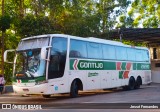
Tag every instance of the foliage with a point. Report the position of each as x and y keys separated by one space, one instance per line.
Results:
x=5 y=21
x=75 y=17
x=143 y=13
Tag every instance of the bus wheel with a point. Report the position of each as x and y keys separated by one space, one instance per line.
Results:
x=46 y=96
x=131 y=84
x=74 y=89
x=138 y=83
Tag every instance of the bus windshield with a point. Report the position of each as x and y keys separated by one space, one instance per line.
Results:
x=29 y=64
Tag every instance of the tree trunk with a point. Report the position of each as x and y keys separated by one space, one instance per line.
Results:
x=2 y=40
x=21 y=10
x=2 y=60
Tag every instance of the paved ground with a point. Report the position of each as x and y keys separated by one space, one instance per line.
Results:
x=92 y=100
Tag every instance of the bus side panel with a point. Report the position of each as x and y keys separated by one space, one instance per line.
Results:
x=115 y=81
x=93 y=79
x=59 y=85
x=141 y=74
x=143 y=70
x=77 y=74
x=125 y=80
x=105 y=79
x=147 y=77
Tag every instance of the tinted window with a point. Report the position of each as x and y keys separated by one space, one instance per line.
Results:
x=145 y=55
x=108 y=52
x=155 y=52
x=78 y=48
x=139 y=55
x=94 y=50
x=121 y=53
x=57 y=58
x=131 y=54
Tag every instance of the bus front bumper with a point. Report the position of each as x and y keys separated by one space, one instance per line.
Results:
x=36 y=89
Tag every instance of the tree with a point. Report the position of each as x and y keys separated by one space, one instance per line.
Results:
x=4 y=24
x=75 y=17
x=146 y=13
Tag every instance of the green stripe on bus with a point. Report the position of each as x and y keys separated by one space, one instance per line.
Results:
x=91 y=65
x=123 y=67
x=42 y=78
x=134 y=66
x=109 y=65
x=143 y=66
x=76 y=64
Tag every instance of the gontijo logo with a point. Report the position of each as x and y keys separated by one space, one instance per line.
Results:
x=124 y=69
x=91 y=65
x=81 y=64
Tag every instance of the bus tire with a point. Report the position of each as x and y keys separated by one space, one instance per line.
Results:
x=131 y=84
x=46 y=96
x=74 y=89
x=138 y=83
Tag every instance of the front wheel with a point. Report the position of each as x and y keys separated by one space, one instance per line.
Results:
x=74 y=89
x=138 y=83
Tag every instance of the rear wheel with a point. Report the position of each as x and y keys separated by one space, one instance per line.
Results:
x=138 y=83
x=74 y=89
x=131 y=84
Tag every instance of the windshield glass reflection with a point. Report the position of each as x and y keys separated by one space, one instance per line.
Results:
x=29 y=64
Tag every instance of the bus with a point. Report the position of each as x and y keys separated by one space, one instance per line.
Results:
x=58 y=63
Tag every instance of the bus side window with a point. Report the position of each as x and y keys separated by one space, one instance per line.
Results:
x=145 y=56
x=121 y=53
x=94 y=50
x=108 y=52
x=139 y=55
x=57 y=58
x=75 y=54
x=131 y=54
x=78 y=49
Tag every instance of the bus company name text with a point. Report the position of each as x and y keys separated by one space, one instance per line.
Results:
x=91 y=65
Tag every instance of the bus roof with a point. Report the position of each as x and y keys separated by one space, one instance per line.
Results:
x=33 y=37
x=89 y=39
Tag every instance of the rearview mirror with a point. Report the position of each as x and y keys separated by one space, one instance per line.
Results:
x=6 y=53
x=43 y=53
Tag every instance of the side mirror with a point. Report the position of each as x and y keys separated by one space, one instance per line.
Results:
x=43 y=53
x=5 y=55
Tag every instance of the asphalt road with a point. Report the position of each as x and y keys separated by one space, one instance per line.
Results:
x=90 y=101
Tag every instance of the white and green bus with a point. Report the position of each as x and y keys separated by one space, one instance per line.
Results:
x=58 y=63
